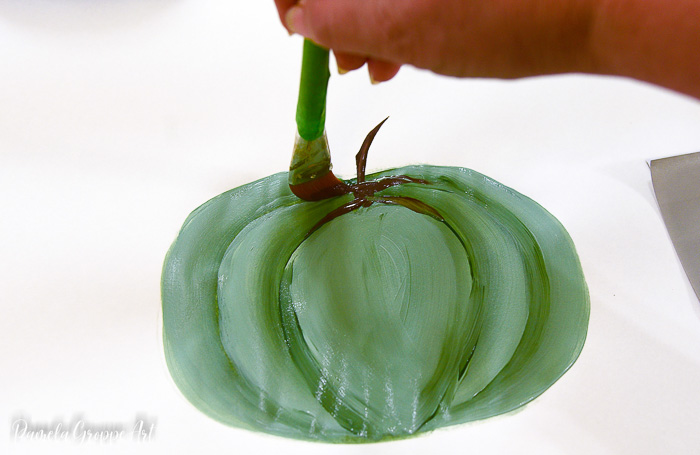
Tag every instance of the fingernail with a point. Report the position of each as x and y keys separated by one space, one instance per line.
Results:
x=342 y=70
x=373 y=80
x=294 y=19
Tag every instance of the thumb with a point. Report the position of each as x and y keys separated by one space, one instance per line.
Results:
x=378 y=29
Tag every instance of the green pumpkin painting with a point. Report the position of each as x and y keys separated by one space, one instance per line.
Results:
x=375 y=308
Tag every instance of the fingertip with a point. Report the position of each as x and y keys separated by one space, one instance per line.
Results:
x=381 y=71
x=294 y=21
x=348 y=62
x=282 y=9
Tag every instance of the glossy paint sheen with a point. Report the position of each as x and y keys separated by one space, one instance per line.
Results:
x=384 y=322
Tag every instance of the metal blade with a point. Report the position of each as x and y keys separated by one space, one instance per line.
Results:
x=676 y=183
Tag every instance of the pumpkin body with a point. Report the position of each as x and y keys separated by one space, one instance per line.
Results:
x=383 y=322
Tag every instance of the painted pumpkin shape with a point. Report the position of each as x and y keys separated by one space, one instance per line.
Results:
x=385 y=306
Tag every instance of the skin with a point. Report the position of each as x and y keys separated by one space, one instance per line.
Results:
x=649 y=40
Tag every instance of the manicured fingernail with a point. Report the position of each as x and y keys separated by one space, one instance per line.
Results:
x=373 y=80
x=342 y=70
x=294 y=19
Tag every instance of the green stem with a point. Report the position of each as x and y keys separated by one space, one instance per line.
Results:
x=311 y=107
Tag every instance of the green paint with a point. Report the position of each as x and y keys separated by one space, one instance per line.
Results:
x=384 y=322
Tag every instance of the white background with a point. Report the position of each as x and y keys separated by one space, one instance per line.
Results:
x=117 y=118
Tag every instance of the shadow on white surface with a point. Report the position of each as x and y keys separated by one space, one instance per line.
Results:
x=57 y=17
x=630 y=381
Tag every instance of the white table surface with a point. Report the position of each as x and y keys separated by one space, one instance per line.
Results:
x=117 y=118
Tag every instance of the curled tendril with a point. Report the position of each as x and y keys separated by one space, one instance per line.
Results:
x=364 y=191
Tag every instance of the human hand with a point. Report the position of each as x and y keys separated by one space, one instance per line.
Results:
x=497 y=38
x=650 y=40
